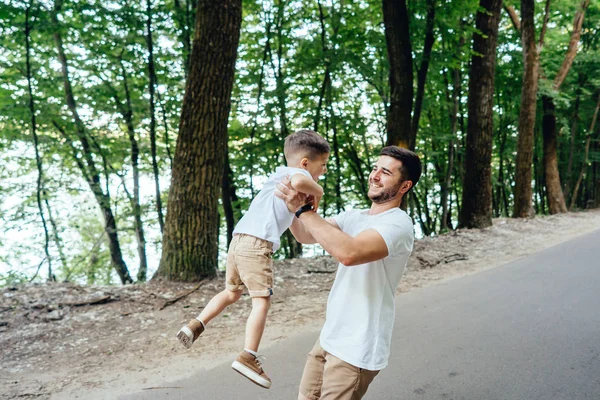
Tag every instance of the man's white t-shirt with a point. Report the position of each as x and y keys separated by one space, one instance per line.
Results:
x=268 y=216
x=360 y=308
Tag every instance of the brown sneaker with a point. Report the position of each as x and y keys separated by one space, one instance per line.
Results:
x=251 y=367
x=189 y=333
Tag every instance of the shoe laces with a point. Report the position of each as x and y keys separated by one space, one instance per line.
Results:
x=260 y=359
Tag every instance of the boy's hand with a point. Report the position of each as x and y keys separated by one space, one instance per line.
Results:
x=315 y=200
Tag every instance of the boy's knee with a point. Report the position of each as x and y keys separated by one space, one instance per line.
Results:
x=263 y=303
x=233 y=295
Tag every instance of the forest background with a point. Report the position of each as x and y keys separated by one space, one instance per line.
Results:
x=110 y=116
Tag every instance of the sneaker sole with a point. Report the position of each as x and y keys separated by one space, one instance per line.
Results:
x=251 y=375
x=185 y=337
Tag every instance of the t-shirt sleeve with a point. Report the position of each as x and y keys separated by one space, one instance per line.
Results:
x=398 y=234
x=294 y=171
x=340 y=218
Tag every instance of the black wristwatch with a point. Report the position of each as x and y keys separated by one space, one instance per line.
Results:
x=304 y=208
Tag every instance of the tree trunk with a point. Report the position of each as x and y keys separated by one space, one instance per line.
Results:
x=476 y=209
x=151 y=89
x=574 y=126
x=422 y=71
x=399 y=49
x=40 y=191
x=90 y=172
x=586 y=154
x=137 y=208
x=229 y=199
x=523 y=192
x=190 y=240
x=556 y=200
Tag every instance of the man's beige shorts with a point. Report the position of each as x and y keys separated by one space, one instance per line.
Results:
x=250 y=264
x=326 y=377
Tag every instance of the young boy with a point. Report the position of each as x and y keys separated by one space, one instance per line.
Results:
x=256 y=237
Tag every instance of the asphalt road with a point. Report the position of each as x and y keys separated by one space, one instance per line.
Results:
x=527 y=330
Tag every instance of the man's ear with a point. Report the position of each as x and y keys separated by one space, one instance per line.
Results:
x=406 y=185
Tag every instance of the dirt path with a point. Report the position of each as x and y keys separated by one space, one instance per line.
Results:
x=63 y=341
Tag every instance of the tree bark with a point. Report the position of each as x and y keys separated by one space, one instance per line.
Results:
x=151 y=89
x=190 y=240
x=523 y=192
x=476 y=209
x=89 y=169
x=399 y=49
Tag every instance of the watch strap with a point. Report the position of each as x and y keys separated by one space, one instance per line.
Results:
x=304 y=208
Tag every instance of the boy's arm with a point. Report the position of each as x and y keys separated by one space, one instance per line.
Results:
x=304 y=184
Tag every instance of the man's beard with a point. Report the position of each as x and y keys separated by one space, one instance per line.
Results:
x=386 y=195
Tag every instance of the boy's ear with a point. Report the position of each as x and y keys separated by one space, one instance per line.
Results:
x=304 y=162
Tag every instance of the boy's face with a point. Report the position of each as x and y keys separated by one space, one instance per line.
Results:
x=317 y=166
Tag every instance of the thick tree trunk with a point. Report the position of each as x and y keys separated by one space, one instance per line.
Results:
x=190 y=240
x=90 y=172
x=151 y=89
x=476 y=209
x=397 y=36
x=523 y=192
x=556 y=200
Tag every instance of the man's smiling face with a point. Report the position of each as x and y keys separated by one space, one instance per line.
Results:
x=385 y=180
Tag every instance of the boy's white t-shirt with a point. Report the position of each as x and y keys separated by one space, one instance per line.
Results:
x=360 y=308
x=268 y=216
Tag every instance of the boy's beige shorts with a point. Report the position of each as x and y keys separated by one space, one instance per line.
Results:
x=250 y=264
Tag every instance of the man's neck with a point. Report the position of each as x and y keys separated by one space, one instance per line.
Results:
x=378 y=208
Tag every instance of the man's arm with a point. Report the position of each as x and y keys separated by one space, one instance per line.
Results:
x=367 y=246
x=302 y=235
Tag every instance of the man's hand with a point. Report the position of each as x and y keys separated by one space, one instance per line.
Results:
x=293 y=199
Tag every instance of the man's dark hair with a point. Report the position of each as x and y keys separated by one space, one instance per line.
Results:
x=411 y=163
x=308 y=142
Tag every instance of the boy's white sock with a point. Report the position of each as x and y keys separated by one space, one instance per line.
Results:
x=202 y=322
x=255 y=354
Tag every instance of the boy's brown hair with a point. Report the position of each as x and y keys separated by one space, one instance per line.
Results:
x=309 y=143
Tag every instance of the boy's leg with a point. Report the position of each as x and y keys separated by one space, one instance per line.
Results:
x=188 y=334
x=217 y=304
x=255 y=326
x=249 y=363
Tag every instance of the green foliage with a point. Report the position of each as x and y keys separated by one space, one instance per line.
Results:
x=286 y=51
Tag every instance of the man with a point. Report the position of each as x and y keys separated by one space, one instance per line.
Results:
x=372 y=247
